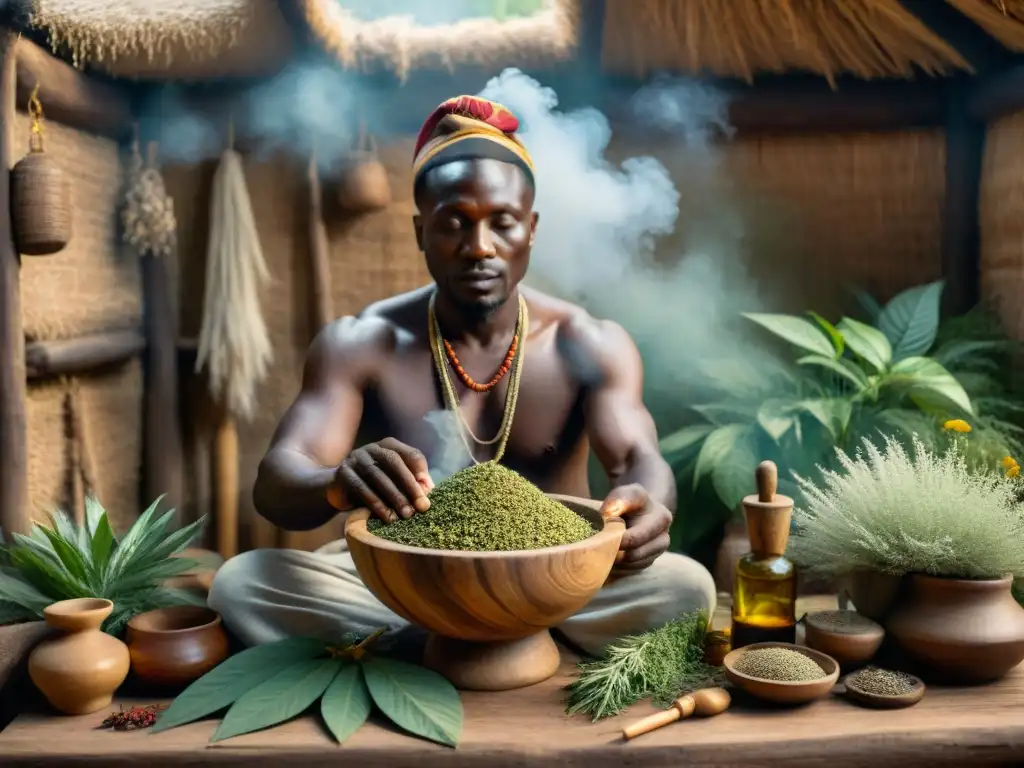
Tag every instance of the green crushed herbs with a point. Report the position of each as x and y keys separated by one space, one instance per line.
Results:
x=660 y=665
x=487 y=508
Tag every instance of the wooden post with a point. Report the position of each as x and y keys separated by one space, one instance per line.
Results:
x=961 y=259
x=14 y=514
x=163 y=453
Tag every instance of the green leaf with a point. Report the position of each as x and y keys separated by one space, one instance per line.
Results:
x=346 y=703
x=14 y=589
x=833 y=413
x=684 y=439
x=287 y=694
x=867 y=342
x=102 y=544
x=796 y=330
x=717 y=447
x=911 y=320
x=68 y=554
x=415 y=699
x=228 y=681
x=844 y=368
x=966 y=353
x=833 y=333
x=93 y=512
x=721 y=414
x=777 y=417
x=868 y=303
x=929 y=385
x=734 y=478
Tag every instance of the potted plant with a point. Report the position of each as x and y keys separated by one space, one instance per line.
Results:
x=65 y=561
x=952 y=534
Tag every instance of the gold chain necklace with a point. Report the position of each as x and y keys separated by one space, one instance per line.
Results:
x=451 y=397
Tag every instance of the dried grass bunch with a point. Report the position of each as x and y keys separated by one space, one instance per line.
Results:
x=101 y=30
x=150 y=226
x=897 y=512
x=1003 y=19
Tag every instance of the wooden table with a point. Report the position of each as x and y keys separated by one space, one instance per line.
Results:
x=966 y=727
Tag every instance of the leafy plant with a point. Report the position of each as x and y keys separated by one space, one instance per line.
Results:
x=66 y=561
x=903 y=375
x=270 y=684
x=896 y=511
x=662 y=664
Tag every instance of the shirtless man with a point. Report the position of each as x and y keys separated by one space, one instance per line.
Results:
x=357 y=432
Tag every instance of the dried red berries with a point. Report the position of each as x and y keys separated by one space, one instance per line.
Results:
x=133 y=719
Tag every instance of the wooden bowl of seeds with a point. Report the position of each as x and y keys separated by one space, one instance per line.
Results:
x=782 y=673
x=846 y=636
x=883 y=688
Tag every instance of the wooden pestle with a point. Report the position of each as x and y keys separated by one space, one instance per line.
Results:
x=767 y=477
x=703 y=703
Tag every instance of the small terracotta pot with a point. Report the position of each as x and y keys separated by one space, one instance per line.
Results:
x=959 y=630
x=172 y=647
x=79 y=670
x=873 y=594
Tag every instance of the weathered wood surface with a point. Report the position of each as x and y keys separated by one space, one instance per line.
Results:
x=525 y=728
x=82 y=355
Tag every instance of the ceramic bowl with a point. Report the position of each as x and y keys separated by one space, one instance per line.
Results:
x=879 y=701
x=172 y=647
x=850 y=648
x=781 y=692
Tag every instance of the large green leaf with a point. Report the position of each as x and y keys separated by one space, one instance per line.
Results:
x=929 y=385
x=70 y=557
x=733 y=479
x=833 y=413
x=416 y=699
x=971 y=354
x=843 y=368
x=833 y=333
x=868 y=343
x=869 y=304
x=228 y=681
x=721 y=414
x=346 y=703
x=287 y=694
x=102 y=545
x=911 y=320
x=684 y=439
x=717 y=447
x=14 y=589
x=778 y=416
x=796 y=330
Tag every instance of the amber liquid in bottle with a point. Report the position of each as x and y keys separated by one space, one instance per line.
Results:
x=764 y=601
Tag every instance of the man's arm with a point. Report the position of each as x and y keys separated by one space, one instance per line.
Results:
x=625 y=440
x=317 y=432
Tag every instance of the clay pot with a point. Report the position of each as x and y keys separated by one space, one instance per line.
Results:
x=79 y=670
x=873 y=594
x=172 y=647
x=959 y=630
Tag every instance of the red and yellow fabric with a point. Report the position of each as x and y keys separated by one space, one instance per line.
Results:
x=469 y=126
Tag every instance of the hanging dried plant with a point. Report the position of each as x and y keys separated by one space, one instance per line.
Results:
x=150 y=226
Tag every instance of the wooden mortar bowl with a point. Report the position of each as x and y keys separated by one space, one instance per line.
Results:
x=172 y=647
x=782 y=692
x=850 y=649
x=488 y=613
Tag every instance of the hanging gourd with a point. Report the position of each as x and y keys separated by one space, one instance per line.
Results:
x=40 y=195
x=364 y=183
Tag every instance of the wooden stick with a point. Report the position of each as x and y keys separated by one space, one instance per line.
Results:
x=163 y=451
x=13 y=438
x=85 y=354
x=225 y=459
x=69 y=96
x=706 y=702
x=319 y=253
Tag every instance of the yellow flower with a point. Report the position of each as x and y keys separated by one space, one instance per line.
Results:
x=1008 y=462
x=1013 y=472
x=957 y=425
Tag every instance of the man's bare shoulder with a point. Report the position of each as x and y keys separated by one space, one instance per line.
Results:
x=375 y=330
x=589 y=344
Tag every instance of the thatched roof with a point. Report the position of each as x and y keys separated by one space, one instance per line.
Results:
x=733 y=38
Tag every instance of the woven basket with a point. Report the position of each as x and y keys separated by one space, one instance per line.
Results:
x=364 y=185
x=40 y=205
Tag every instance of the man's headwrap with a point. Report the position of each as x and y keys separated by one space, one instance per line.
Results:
x=468 y=127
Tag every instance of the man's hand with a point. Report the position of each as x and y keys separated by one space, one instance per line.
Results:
x=388 y=477
x=647 y=523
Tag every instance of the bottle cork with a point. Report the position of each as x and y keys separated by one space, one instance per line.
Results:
x=768 y=513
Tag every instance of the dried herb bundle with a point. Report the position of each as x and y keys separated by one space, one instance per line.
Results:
x=662 y=665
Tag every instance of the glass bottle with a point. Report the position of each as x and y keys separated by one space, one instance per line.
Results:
x=764 y=596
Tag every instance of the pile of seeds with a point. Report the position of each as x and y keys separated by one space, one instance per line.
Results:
x=487 y=508
x=845 y=622
x=778 y=664
x=881 y=682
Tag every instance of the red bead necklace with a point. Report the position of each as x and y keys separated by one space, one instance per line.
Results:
x=469 y=381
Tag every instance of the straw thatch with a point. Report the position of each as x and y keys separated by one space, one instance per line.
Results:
x=1003 y=19
x=1002 y=225
x=866 y=38
x=401 y=45
x=92 y=285
x=179 y=39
